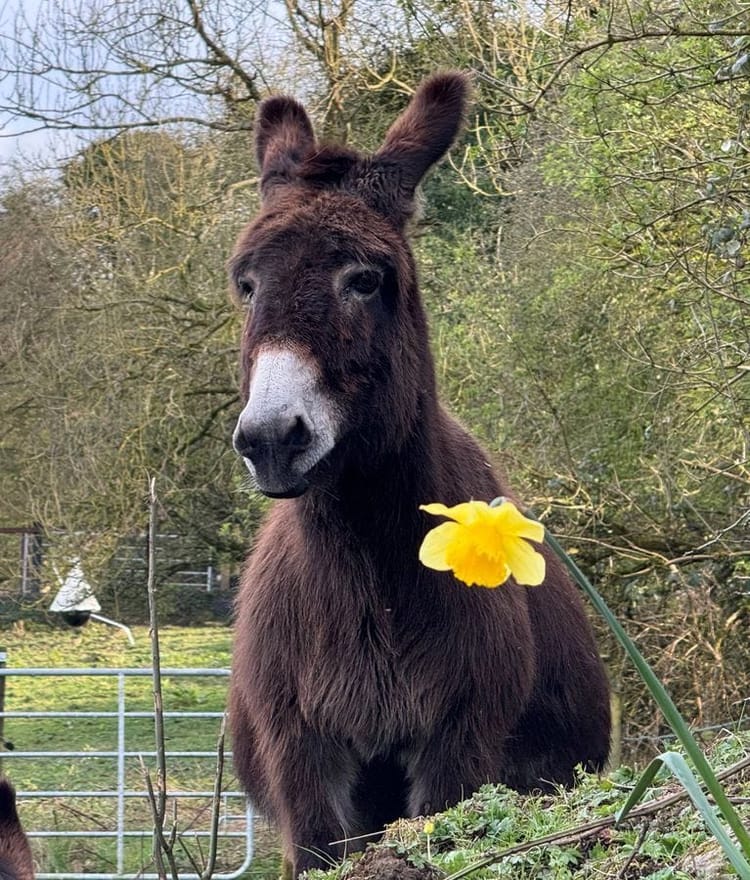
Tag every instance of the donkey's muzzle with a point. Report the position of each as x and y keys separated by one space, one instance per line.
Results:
x=288 y=424
x=276 y=447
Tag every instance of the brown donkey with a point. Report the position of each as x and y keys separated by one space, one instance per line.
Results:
x=366 y=687
x=16 y=862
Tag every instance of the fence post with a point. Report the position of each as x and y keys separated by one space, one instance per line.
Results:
x=32 y=557
x=120 y=774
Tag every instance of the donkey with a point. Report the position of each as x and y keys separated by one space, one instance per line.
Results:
x=16 y=862
x=366 y=687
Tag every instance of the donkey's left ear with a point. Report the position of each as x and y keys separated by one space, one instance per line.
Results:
x=426 y=129
x=283 y=138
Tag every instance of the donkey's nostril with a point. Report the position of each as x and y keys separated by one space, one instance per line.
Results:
x=244 y=443
x=299 y=436
x=281 y=436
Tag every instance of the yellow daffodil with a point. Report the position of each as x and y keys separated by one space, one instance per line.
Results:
x=485 y=544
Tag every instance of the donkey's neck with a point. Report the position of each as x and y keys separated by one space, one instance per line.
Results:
x=377 y=499
x=371 y=512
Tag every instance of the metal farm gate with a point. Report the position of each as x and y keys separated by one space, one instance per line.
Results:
x=96 y=810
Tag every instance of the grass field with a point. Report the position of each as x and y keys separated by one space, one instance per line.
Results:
x=671 y=845
x=99 y=646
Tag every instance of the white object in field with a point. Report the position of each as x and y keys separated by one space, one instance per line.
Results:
x=75 y=594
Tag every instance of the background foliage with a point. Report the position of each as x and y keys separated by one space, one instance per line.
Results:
x=583 y=257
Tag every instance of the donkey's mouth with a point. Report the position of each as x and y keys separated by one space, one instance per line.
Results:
x=278 y=479
x=294 y=492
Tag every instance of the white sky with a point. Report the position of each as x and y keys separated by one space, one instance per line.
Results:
x=15 y=147
x=37 y=145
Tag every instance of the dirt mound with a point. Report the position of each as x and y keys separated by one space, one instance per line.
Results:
x=385 y=864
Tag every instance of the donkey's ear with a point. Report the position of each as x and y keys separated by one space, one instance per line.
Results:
x=426 y=129
x=283 y=137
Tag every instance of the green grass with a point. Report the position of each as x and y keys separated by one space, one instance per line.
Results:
x=100 y=646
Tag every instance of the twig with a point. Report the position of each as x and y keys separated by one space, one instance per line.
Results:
x=638 y=844
x=161 y=846
x=220 y=53
x=190 y=857
x=216 y=804
x=161 y=768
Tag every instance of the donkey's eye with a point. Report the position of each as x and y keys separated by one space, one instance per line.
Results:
x=364 y=283
x=246 y=289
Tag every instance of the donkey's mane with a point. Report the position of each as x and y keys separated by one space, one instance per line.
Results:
x=328 y=165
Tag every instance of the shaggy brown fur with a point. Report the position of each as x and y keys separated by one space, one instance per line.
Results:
x=366 y=687
x=16 y=862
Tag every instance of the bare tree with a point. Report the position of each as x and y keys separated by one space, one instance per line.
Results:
x=109 y=65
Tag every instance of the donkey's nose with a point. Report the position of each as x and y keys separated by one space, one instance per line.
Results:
x=280 y=438
x=288 y=424
x=274 y=448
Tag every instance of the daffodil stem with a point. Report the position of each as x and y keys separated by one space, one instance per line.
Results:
x=664 y=701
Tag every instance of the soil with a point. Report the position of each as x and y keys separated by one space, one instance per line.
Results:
x=385 y=864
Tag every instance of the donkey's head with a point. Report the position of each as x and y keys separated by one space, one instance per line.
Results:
x=334 y=349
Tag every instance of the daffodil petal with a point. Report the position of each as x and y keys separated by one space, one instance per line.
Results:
x=436 y=543
x=464 y=513
x=527 y=564
x=510 y=519
x=436 y=509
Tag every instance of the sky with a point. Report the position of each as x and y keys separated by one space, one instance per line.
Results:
x=22 y=140
x=18 y=145
x=37 y=145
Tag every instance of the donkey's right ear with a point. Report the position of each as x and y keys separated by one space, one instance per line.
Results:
x=283 y=138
